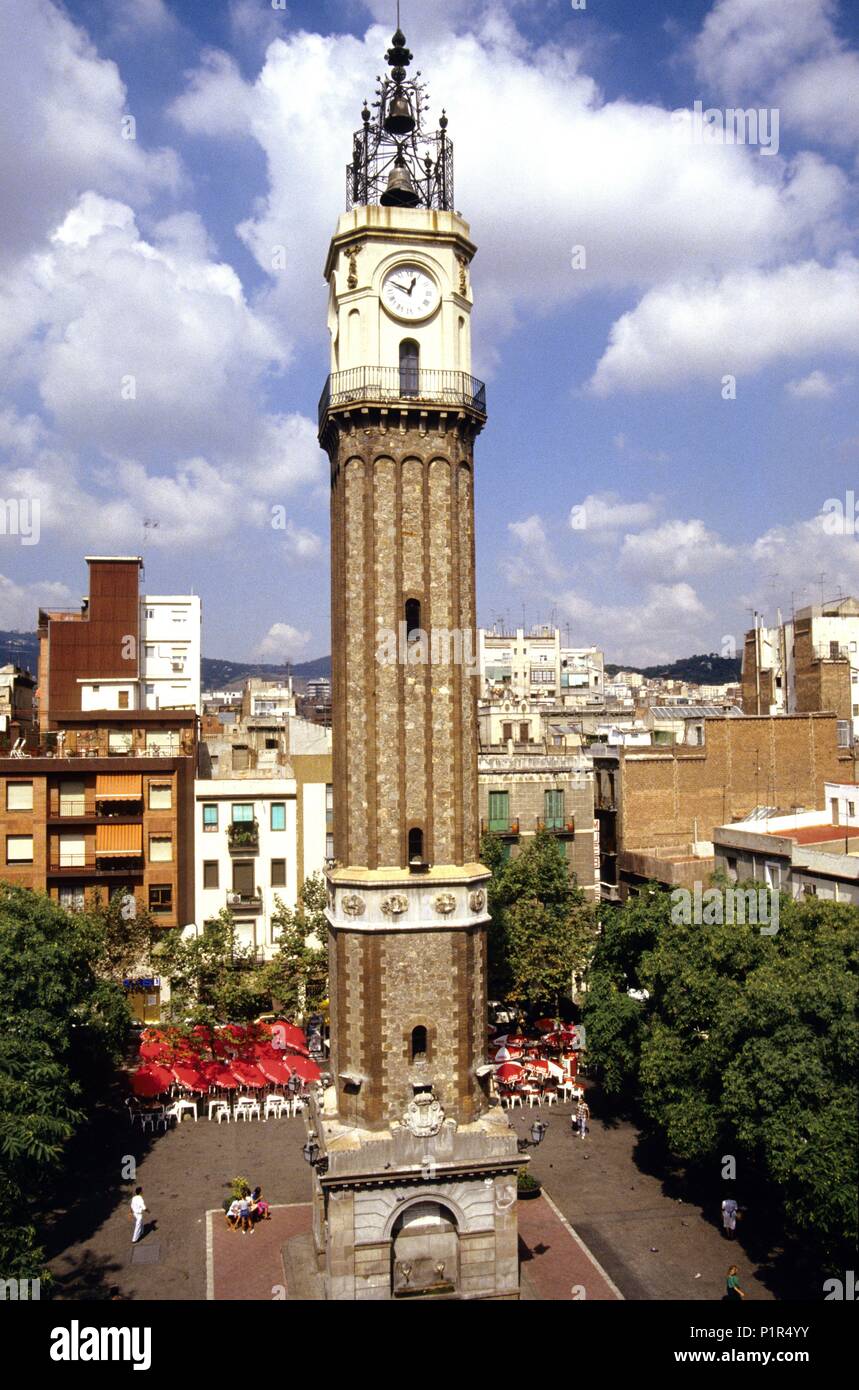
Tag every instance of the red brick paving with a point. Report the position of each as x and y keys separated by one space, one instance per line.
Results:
x=553 y=1262
x=250 y=1266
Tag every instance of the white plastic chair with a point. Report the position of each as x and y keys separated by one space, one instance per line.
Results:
x=217 y=1105
x=533 y=1099
x=274 y=1106
x=550 y=1097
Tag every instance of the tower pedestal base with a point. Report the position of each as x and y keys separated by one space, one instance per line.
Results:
x=399 y=1216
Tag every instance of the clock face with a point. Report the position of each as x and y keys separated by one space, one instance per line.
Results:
x=409 y=292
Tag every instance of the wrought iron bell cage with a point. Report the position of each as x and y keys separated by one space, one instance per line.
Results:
x=394 y=160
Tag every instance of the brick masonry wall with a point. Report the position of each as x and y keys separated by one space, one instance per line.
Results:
x=666 y=800
x=405 y=734
x=387 y=984
x=527 y=802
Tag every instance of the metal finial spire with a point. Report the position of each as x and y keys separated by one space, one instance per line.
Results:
x=390 y=153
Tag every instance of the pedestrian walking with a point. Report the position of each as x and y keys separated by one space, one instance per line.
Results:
x=138 y=1207
x=729 y=1218
x=733 y=1292
x=581 y=1118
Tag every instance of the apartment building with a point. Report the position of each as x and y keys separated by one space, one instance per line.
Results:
x=804 y=854
x=536 y=666
x=105 y=804
x=521 y=793
x=263 y=820
x=171 y=637
x=807 y=664
x=120 y=649
x=269 y=699
x=657 y=807
x=17 y=706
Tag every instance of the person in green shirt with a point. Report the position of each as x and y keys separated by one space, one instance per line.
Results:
x=734 y=1292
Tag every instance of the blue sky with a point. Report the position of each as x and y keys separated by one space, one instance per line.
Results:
x=155 y=366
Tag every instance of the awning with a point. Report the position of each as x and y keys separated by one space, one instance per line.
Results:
x=113 y=840
x=118 y=786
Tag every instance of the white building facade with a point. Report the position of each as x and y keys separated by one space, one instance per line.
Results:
x=257 y=839
x=164 y=661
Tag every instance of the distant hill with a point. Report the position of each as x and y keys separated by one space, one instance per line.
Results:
x=218 y=673
x=22 y=648
x=704 y=669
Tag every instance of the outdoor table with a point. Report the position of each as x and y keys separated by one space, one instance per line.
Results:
x=218 y=1105
x=180 y=1106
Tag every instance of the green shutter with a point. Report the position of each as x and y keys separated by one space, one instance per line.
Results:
x=499 y=810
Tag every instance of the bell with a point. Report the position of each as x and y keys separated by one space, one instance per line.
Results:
x=400 y=192
x=399 y=120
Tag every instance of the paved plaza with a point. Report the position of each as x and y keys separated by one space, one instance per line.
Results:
x=630 y=1236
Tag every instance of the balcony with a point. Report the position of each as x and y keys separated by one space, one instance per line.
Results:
x=78 y=865
x=385 y=386
x=557 y=825
x=498 y=825
x=245 y=902
x=243 y=837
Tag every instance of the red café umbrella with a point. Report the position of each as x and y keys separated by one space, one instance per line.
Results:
x=155 y=1051
x=249 y=1074
x=219 y=1075
x=509 y=1071
x=290 y=1033
x=273 y=1069
x=143 y=1083
x=305 y=1068
x=516 y=1039
x=545 y=1025
x=190 y=1078
x=537 y=1064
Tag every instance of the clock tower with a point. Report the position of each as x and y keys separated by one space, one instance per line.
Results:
x=415 y=1163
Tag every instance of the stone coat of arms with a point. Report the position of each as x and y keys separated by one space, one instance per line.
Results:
x=424 y=1115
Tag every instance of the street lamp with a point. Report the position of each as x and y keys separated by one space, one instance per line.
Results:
x=538 y=1133
x=311 y=1150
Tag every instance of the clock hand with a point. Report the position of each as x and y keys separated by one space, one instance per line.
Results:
x=397 y=286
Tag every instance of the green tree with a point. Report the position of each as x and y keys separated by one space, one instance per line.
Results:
x=124 y=934
x=296 y=979
x=543 y=930
x=212 y=976
x=737 y=1042
x=62 y=1028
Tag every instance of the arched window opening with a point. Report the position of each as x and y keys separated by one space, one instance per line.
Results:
x=410 y=357
x=416 y=845
x=413 y=618
x=419 y=1044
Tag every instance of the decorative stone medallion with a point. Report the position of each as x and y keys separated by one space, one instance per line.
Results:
x=424 y=1115
x=445 y=903
x=352 y=905
x=395 y=905
x=477 y=900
